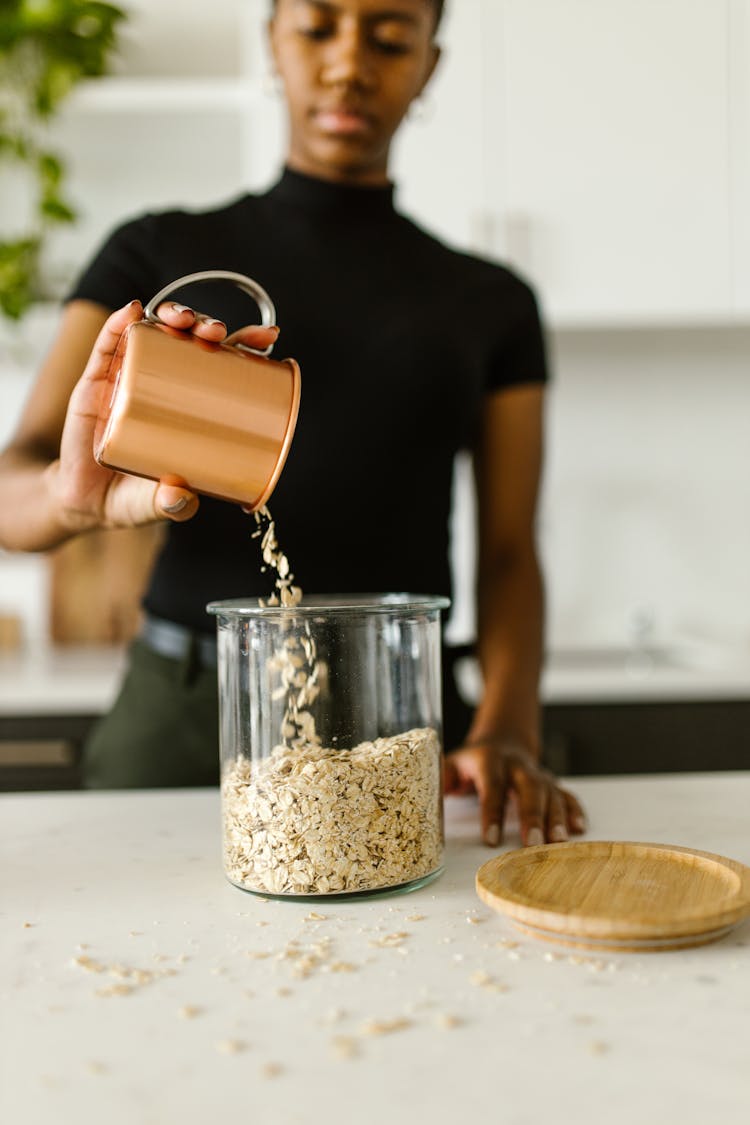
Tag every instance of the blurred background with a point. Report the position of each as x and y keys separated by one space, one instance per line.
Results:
x=602 y=148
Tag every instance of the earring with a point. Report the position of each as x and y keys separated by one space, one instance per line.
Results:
x=420 y=109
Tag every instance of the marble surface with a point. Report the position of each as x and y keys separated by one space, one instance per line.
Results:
x=222 y=1018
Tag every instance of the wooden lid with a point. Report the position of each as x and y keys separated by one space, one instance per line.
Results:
x=617 y=895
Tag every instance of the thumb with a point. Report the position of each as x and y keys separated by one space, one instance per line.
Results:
x=175 y=502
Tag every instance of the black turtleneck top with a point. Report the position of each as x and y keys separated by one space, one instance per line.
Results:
x=398 y=338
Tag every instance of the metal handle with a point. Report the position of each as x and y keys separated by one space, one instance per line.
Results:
x=252 y=288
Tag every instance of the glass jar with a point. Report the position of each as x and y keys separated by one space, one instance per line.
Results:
x=331 y=744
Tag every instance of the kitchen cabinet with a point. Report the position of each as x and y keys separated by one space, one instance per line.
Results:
x=49 y=700
x=595 y=147
x=612 y=168
x=606 y=738
x=181 y=122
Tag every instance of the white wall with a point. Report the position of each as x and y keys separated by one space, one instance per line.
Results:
x=647 y=501
x=645 y=519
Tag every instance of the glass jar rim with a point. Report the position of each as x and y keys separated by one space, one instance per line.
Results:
x=338 y=604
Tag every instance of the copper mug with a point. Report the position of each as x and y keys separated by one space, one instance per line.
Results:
x=214 y=418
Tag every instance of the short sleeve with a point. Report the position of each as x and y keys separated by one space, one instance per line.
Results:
x=518 y=355
x=124 y=268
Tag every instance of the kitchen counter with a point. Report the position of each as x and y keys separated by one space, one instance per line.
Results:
x=141 y=987
x=44 y=680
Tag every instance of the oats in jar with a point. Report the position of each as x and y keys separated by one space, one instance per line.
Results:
x=341 y=820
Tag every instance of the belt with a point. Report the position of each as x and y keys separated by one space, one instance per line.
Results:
x=176 y=641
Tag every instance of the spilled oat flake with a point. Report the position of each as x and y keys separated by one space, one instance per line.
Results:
x=385 y=1027
x=130 y=978
x=230 y=1046
x=344 y=1047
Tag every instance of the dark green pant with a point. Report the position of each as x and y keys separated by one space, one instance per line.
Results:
x=163 y=730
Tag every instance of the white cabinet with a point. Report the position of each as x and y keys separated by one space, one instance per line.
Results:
x=602 y=147
x=739 y=123
x=439 y=164
x=182 y=121
x=611 y=169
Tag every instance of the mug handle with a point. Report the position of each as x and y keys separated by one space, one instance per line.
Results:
x=252 y=288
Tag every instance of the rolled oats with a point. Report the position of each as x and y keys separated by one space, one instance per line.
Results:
x=115 y=990
x=447 y=1022
x=390 y=940
x=230 y=1046
x=315 y=821
x=385 y=1027
x=344 y=1047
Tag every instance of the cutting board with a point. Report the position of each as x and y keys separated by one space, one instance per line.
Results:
x=617 y=895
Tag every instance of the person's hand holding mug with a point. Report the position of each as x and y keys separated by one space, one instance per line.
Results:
x=86 y=494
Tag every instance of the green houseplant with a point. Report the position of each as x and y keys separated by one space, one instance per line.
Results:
x=46 y=47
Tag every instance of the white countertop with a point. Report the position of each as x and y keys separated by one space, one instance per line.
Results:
x=42 y=680
x=79 y=680
x=134 y=879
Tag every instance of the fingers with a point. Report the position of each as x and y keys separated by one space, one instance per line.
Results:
x=457 y=781
x=255 y=336
x=487 y=777
x=575 y=814
x=532 y=805
x=188 y=320
x=174 y=502
x=493 y=798
x=557 y=816
x=209 y=328
x=546 y=811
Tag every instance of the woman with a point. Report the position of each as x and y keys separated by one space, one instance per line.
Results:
x=409 y=350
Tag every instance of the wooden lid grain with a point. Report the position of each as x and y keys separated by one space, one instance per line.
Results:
x=618 y=895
